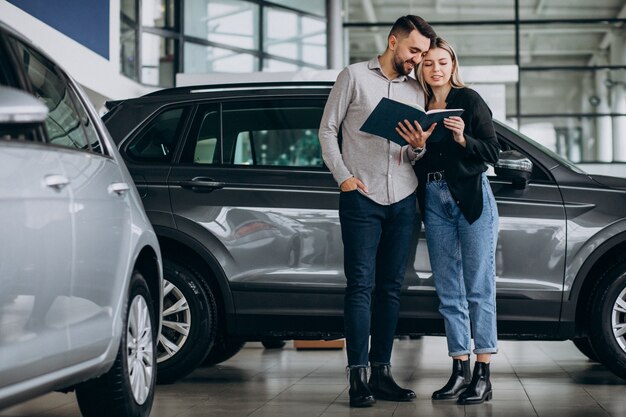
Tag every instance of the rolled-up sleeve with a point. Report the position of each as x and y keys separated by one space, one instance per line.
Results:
x=334 y=113
x=414 y=156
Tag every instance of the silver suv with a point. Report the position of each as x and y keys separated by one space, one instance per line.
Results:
x=80 y=268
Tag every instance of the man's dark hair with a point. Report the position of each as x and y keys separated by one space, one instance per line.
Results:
x=407 y=24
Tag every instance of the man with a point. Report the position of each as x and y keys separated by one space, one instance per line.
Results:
x=377 y=205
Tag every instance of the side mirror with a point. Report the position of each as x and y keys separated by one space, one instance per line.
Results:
x=514 y=166
x=19 y=112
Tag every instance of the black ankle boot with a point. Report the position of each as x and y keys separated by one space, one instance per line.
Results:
x=385 y=388
x=479 y=389
x=360 y=394
x=458 y=382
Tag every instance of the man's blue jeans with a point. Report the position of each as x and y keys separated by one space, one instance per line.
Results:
x=462 y=257
x=376 y=241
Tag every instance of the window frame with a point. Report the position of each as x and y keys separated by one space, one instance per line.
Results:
x=194 y=126
x=188 y=114
x=13 y=43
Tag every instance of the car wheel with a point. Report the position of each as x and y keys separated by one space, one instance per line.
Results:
x=584 y=346
x=127 y=389
x=273 y=343
x=223 y=349
x=189 y=316
x=607 y=332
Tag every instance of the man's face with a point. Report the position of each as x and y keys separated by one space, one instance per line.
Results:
x=409 y=51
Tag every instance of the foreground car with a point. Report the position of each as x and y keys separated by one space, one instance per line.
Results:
x=80 y=268
x=246 y=213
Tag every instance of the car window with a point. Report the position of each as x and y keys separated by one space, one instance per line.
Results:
x=273 y=133
x=90 y=130
x=157 y=141
x=64 y=124
x=206 y=139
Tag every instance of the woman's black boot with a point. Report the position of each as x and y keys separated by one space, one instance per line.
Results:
x=479 y=389
x=458 y=382
x=384 y=387
x=360 y=394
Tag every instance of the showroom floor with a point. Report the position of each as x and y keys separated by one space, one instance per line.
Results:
x=530 y=379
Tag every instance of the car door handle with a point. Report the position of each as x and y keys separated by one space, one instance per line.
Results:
x=56 y=182
x=200 y=184
x=118 y=188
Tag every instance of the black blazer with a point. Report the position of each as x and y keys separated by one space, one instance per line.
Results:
x=463 y=166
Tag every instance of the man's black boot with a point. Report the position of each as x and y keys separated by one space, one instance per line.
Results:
x=384 y=387
x=458 y=382
x=479 y=389
x=360 y=394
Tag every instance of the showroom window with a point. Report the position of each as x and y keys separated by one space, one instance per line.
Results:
x=557 y=69
x=160 y=38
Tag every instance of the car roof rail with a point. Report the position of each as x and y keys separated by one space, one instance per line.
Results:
x=239 y=86
x=111 y=104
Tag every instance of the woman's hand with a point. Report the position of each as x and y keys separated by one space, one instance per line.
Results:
x=414 y=136
x=456 y=125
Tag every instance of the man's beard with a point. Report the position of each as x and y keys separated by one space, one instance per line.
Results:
x=399 y=66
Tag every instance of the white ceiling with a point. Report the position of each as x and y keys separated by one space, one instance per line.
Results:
x=551 y=44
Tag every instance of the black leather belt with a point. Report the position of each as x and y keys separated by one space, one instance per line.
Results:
x=435 y=176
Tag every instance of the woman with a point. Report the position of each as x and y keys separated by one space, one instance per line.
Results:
x=461 y=221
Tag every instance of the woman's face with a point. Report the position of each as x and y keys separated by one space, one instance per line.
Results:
x=437 y=67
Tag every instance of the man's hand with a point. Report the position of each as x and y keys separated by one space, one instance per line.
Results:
x=414 y=136
x=352 y=184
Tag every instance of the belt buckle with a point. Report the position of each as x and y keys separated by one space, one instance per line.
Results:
x=438 y=175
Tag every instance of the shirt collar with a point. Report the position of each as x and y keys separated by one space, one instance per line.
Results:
x=374 y=64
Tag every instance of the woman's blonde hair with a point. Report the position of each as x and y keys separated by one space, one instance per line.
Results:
x=455 y=78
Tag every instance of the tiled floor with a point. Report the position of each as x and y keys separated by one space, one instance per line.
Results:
x=550 y=379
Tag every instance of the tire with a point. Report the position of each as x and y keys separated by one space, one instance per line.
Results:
x=127 y=390
x=189 y=322
x=273 y=343
x=223 y=349
x=584 y=346
x=607 y=330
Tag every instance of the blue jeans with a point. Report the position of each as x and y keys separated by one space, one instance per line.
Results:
x=376 y=242
x=462 y=257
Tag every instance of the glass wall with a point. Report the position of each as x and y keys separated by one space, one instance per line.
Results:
x=160 y=38
x=569 y=60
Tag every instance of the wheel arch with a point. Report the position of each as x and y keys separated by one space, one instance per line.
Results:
x=607 y=255
x=176 y=245
x=147 y=263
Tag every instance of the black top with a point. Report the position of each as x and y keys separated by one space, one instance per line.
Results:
x=463 y=166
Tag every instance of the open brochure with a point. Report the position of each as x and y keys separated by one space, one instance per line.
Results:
x=385 y=117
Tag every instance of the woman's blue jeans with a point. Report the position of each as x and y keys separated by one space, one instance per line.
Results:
x=462 y=257
x=376 y=242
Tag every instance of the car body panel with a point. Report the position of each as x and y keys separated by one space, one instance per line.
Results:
x=93 y=238
x=274 y=231
x=35 y=275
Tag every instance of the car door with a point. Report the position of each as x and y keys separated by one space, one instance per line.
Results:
x=530 y=254
x=35 y=256
x=251 y=185
x=98 y=208
x=102 y=224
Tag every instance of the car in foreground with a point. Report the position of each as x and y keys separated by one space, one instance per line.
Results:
x=234 y=184
x=80 y=266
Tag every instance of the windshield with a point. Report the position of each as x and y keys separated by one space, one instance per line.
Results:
x=560 y=159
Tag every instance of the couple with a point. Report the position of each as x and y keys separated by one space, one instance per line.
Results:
x=377 y=211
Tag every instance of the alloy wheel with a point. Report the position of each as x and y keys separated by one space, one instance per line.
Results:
x=140 y=349
x=618 y=319
x=176 y=322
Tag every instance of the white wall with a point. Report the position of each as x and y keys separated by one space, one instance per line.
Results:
x=100 y=77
